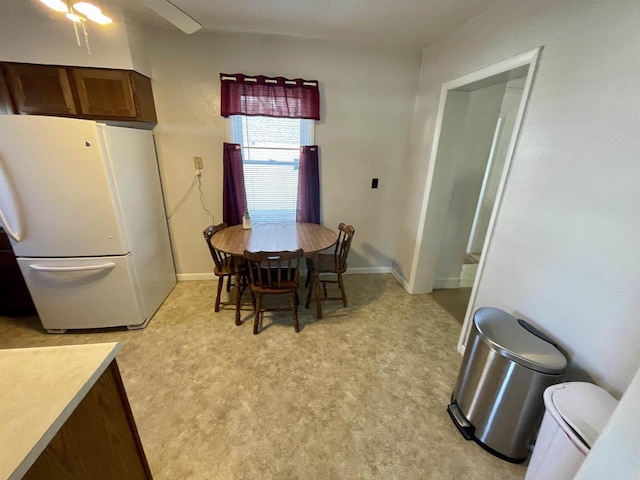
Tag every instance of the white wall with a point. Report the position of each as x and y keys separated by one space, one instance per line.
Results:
x=563 y=252
x=508 y=114
x=367 y=99
x=615 y=453
x=30 y=32
x=464 y=180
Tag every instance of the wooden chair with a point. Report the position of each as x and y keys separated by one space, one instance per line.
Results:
x=335 y=263
x=274 y=273
x=225 y=266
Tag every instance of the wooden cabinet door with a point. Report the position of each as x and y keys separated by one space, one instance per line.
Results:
x=105 y=93
x=5 y=99
x=40 y=89
x=99 y=440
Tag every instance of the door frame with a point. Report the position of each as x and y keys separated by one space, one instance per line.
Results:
x=529 y=58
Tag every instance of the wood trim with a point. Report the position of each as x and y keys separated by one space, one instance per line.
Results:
x=143 y=94
x=129 y=413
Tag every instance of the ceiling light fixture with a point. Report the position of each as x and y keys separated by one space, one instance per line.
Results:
x=73 y=17
x=57 y=5
x=79 y=13
x=92 y=12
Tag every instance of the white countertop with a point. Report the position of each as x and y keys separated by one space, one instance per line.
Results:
x=39 y=389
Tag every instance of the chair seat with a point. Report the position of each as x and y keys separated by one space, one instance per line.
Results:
x=326 y=264
x=225 y=267
x=285 y=288
x=273 y=273
x=228 y=266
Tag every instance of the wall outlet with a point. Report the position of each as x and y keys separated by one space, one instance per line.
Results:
x=197 y=162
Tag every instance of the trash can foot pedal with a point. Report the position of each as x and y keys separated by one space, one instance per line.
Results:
x=466 y=429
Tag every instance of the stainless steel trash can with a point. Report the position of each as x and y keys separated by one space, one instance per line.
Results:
x=497 y=400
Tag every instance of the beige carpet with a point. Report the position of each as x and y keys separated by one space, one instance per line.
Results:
x=361 y=394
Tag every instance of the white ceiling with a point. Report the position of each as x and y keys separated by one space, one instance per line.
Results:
x=407 y=24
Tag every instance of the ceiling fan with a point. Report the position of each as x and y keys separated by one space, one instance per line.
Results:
x=174 y=15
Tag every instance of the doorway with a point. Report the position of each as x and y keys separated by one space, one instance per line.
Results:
x=478 y=121
x=481 y=173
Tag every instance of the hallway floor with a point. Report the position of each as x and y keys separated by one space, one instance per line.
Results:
x=454 y=301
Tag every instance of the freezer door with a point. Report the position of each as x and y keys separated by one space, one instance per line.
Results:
x=62 y=201
x=78 y=293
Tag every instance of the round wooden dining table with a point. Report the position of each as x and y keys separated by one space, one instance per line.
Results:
x=273 y=237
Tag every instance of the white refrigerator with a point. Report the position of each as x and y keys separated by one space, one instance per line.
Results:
x=82 y=204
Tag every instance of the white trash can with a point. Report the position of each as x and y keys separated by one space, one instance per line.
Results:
x=576 y=413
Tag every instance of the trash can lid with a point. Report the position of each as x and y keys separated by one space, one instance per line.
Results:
x=585 y=407
x=505 y=335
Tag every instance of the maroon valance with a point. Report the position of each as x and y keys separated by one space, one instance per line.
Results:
x=269 y=96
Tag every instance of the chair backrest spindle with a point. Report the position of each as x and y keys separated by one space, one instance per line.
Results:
x=343 y=245
x=218 y=256
x=274 y=270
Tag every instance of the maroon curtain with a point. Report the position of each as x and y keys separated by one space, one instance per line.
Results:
x=269 y=97
x=234 y=196
x=308 y=208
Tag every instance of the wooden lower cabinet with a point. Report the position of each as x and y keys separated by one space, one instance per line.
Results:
x=99 y=441
x=15 y=298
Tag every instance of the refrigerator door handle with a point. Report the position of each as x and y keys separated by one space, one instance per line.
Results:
x=82 y=268
x=15 y=234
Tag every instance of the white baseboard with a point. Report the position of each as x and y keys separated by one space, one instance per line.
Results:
x=364 y=270
x=400 y=279
x=186 y=277
x=468 y=275
x=446 y=283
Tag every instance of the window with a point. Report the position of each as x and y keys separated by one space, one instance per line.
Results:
x=271 y=152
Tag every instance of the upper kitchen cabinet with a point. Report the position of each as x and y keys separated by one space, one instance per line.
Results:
x=116 y=96
x=40 y=89
x=5 y=100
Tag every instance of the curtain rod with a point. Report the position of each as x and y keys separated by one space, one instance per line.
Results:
x=270 y=80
